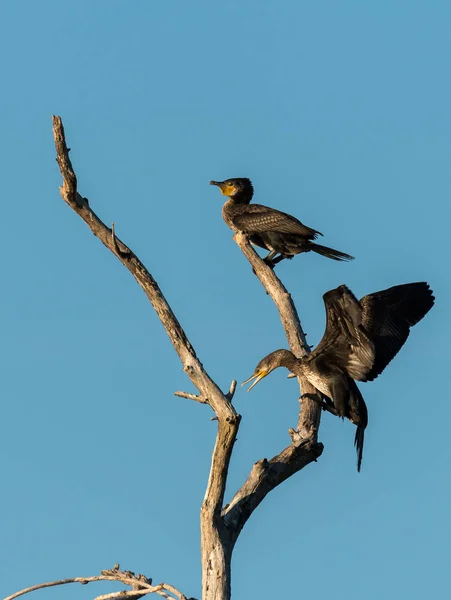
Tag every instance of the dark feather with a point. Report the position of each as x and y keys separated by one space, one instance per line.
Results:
x=358 y=414
x=387 y=317
x=344 y=342
x=274 y=230
x=256 y=218
x=360 y=339
x=329 y=252
x=358 y=444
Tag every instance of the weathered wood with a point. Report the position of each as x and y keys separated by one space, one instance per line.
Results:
x=266 y=474
x=220 y=527
x=310 y=411
x=140 y=584
x=214 y=552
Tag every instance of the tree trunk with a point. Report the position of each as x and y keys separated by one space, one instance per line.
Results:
x=216 y=555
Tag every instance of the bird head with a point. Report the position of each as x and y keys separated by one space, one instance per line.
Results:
x=278 y=358
x=235 y=187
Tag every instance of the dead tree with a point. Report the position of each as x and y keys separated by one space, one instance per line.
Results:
x=220 y=524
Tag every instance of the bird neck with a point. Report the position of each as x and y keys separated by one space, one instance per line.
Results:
x=288 y=360
x=229 y=209
x=242 y=197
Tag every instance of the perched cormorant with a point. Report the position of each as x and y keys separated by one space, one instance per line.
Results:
x=268 y=228
x=361 y=338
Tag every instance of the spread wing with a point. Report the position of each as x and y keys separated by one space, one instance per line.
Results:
x=345 y=343
x=257 y=218
x=387 y=317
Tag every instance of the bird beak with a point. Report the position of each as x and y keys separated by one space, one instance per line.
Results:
x=226 y=189
x=291 y=375
x=257 y=376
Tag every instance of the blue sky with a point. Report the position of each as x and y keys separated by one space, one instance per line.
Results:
x=339 y=113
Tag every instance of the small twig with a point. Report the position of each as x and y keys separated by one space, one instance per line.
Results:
x=121 y=253
x=199 y=398
x=231 y=391
x=188 y=396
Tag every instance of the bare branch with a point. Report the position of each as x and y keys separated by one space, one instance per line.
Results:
x=191 y=365
x=280 y=296
x=40 y=586
x=264 y=477
x=134 y=594
x=227 y=416
x=310 y=413
x=123 y=594
x=267 y=474
x=214 y=552
x=141 y=585
x=173 y=590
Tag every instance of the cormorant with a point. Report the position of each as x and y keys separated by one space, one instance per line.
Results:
x=361 y=338
x=268 y=228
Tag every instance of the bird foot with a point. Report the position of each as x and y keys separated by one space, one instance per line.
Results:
x=269 y=263
x=272 y=262
x=327 y=406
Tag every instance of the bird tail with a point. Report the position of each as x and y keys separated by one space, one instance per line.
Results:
x=330 y=252
x=358 y=443
x=360 y=418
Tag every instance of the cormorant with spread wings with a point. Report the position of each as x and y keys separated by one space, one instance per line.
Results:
x=268 y=228
x=360 y=340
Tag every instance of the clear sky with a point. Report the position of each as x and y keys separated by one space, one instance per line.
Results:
x=340 y=114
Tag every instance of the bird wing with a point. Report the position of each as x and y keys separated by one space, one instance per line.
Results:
x=387 y=317
x=256 y=218
x=345 y=343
